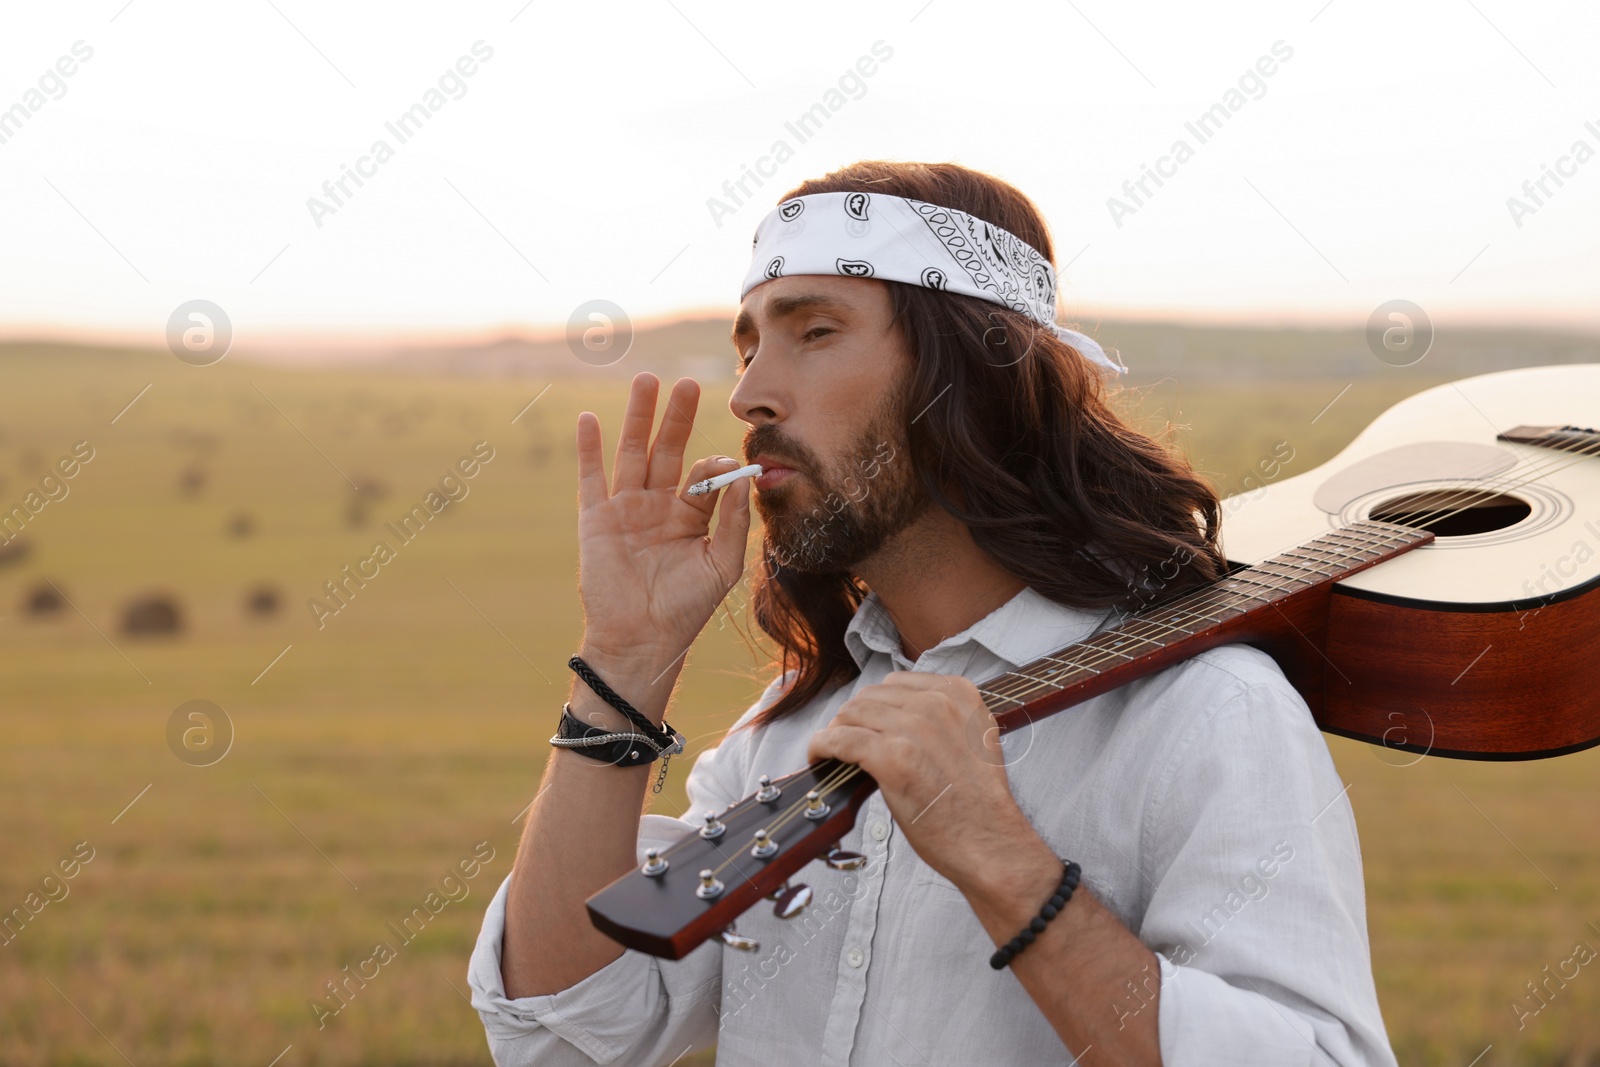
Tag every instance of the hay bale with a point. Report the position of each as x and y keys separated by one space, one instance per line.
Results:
x=15 y=550
x=367 y=489
x=192 y=480
x=42 y=601
x=154 y=613
x=262 y=601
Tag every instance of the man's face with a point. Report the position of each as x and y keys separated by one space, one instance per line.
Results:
x=822 y=390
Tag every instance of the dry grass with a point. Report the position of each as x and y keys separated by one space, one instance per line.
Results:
x=380 y=750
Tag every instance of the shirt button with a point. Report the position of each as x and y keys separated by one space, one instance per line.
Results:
x=856 y=957
x=880 y=830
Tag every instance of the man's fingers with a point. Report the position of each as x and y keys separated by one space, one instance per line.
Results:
x=591 y=468
x=705 y=468
x=924 y=680
x=918 y=679
x=729 y=542
x=852 y=744
x=666 y=454
x=633 y=446
x=874 y=709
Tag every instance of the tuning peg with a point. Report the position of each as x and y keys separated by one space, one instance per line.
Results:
x=768 y=792
x=713 y=828
x=765 y=845
x=709 y=888
x=816 y=807
x=791 y=900
x=739 y=941
x=840 y=860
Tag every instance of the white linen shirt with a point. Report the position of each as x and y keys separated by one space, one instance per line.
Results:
x=1201 y=802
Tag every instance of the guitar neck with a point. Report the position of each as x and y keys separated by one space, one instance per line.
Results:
x=1261 y=601
x=1581 y=439
x=661 y=909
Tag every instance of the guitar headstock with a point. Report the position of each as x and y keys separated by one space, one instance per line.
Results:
x=668 y=906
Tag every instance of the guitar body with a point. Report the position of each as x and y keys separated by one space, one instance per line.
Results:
x=1484 y=644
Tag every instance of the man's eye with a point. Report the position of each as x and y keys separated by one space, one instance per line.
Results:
x=815 y=330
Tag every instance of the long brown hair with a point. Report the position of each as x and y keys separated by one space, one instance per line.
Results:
x=1023 y=449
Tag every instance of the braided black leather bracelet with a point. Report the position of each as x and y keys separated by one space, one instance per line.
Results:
x=662 y=735
x=1069 y=882
x=618 y=748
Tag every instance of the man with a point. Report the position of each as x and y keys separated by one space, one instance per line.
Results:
x=945 y=497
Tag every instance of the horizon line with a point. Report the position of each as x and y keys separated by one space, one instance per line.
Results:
x=353 y=339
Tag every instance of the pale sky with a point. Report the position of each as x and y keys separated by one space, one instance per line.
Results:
x=577 y=160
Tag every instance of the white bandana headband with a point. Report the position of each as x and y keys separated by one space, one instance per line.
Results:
x=896 y=239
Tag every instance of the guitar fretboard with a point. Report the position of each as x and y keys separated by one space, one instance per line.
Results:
x=1561 y=438
x=1319 y=561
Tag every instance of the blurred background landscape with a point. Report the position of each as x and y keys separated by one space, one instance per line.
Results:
x=367 y=758
x=250 y=794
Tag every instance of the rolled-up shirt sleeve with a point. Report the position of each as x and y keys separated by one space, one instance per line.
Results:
x=1258 y=911
x=637 y=1009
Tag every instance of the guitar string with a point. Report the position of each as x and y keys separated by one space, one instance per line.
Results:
x=825 y=788
x=1473 y=495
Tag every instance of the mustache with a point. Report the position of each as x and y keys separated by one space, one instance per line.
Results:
x=766 y=440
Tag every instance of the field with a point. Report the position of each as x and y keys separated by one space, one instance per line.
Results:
x=405 y=734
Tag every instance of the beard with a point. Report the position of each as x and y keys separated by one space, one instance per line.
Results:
x=829 y=517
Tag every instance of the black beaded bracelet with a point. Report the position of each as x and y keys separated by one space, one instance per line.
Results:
x=1053 y=907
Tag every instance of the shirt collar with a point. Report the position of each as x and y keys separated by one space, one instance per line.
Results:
x=1027 y=626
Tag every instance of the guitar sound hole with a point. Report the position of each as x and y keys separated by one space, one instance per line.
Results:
x=1454 y=512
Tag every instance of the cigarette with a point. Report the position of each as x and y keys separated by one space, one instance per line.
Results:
x=699 y=488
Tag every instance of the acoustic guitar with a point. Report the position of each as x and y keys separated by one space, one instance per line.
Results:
x=1431 y=589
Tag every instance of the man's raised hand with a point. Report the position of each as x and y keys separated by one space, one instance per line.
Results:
x=650 y=572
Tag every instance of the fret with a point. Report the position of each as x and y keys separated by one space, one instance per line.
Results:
x=1013 y=682
x=1316 y=546
x=1378 y=536
x=1240 y=577
x=1128 y=633
x=1286 y=569
x=1362 y=532
x=1117 y=636
x=1067 y=666
x=1134 y=637
x=1350 y=535
x=1311 y=564
x=1309 y=554
x=1169 y=625
x=1214 y=616
x=1044 y=673
x=1021 y=672
x=1230 y=611
x=1312 y=560
x=1581 y=439
x=987 y=693
x=1243 y=592
x=1295 y=576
